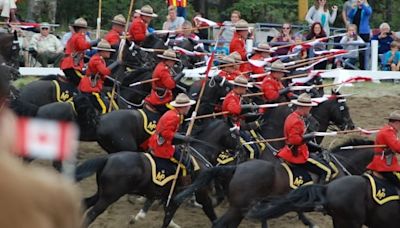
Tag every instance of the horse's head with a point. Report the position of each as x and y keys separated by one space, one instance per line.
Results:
x=220 y=134
x=340 y=111
x=10 y=51
x=335 y=111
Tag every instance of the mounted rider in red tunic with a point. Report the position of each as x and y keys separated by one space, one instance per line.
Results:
x=261 y=52
x=161 y=91
x=161 y=142
x=72 y=63
x=117 y=29
x=272 y=87
x=296 y=150
x=238 y=43
x=138 y=29
x=385 y=161
x=229 y=71
x=92 y=83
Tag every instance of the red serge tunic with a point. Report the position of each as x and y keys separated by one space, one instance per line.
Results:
x=255 y=69
x=294 y=130
x=165 y=81
x=232 y=105
x=270 y=87
x=112 y=37
x=386 y=136
x=138 y=30
x=167 y=126
x=96 y=65
x=76 y=46
x=238 y=44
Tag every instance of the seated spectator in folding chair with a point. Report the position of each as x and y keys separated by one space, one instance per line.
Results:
x=298 y=49
x=46 y=47
x=391 y=58
x=350 y=59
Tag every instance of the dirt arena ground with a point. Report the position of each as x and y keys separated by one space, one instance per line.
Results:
x=369 y=104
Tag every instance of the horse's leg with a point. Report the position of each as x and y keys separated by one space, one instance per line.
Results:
x=306 y=221
x=142 y=213
x=169 y=214
x=91 y=200
x=264 y=224
x=100 y=206
x=203 y=198
x=345 y=223
x=230 y=219
x=57 y=165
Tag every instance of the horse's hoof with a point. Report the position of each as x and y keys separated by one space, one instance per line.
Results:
x=314 y=226
x=172 y=224
x=141 y=215
x=141 y=199
x=131 y=220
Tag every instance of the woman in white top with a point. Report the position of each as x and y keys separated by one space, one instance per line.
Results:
x=351 y=37
x=319 y=12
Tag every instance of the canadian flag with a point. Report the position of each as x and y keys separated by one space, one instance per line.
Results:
x=45 y=139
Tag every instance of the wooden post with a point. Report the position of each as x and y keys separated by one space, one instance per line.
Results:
x=302 y=9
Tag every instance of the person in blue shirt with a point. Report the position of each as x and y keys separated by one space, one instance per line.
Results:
x=391 y=58
x=385 y=37
x=360 y=15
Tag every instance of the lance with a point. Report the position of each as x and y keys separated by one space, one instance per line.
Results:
x=98 y=21
x=307 y=42
x=191 y=123
x=180 y=30
x=362 y=147
x=120 y=52
x=215 y=114
x=143 y=82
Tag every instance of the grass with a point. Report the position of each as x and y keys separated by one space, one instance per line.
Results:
x=24 y=81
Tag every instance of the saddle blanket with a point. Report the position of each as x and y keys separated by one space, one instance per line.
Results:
x=382 y=190
x=163 y=170
x=64 y=91
x=225 y=157
x=150 y=120
x=298 y=176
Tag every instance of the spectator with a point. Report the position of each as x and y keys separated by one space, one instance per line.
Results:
x=385 y=37
x=220 y=50
x=8 y=9
x=285 y=35
x=391 y=58
x=23 y=48
x=360 y=15
x=201 y=33
x=298 y=48
x=173 y=21
x=229 y=26
x=46 y=47
x=317 y=32
x=139 y=27
x=319 y=12
x=186 y=32
x=180 y=5
x=351 y=37
x=347 y=6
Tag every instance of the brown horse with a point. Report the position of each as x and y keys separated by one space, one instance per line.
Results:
x=255 y=180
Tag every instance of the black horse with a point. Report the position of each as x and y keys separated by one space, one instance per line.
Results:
x=130 y=173
x=255 y=180
x=334 y=111
x=347 y=200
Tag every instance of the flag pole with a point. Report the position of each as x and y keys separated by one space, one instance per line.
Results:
x=99 y=20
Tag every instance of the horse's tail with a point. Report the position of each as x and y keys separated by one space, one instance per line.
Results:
x=303 y=199
x=89 y=167
x=204 y=179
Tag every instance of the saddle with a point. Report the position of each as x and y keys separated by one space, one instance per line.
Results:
x=150 y=119
x=298 y=176
x=382 y=190
x=64 y=91
x=163 y=170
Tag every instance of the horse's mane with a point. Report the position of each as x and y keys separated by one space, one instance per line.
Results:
x=206 y=126
x=352 y=142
